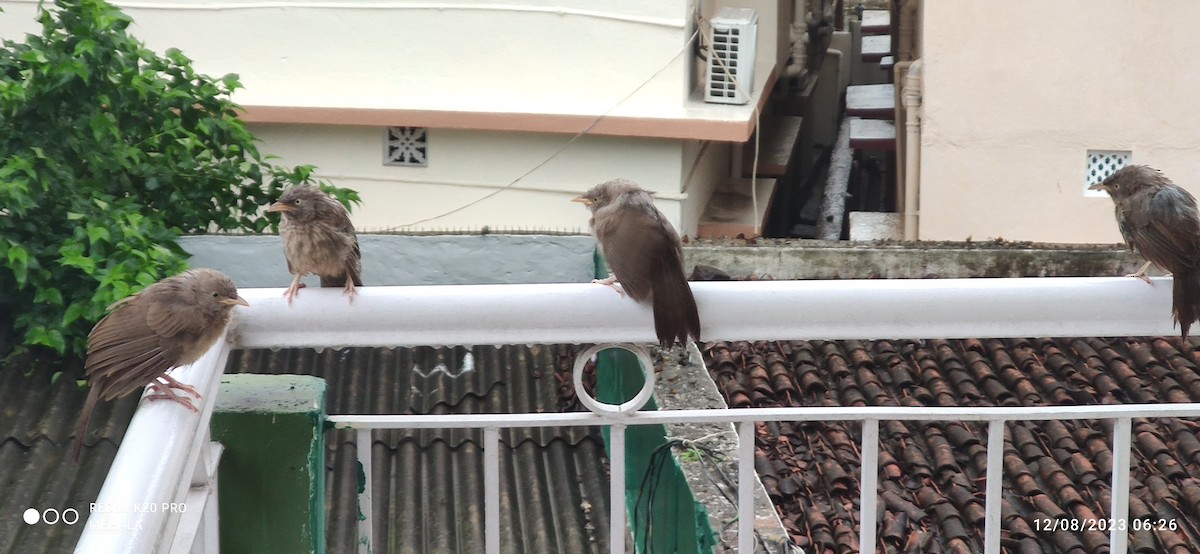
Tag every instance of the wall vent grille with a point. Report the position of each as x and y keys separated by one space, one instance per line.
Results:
x=1101 y=164
x=405 y=146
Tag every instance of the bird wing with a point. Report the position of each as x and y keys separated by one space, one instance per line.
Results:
x=1125 y=226
x=1170 y=235
x=637 y=241
x=125 y=352
x=341 y=222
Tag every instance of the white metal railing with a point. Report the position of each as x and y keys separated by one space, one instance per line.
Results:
x=160 y=493
x=585 y=313
x=746 y=417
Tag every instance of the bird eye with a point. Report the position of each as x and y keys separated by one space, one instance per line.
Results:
x=296 y=201
x=215 y=295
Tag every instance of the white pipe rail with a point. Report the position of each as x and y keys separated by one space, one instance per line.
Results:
x=144 y=495
x=587 y=313
x=754 y=310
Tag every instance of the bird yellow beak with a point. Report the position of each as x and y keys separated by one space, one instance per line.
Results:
x=280 y=207
x=1098 y=186
x=583 y=200
x=239 y=301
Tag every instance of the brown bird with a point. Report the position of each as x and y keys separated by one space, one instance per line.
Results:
x=1159 y=219
x=168 y=324
x=644 y=253
x=318 y=238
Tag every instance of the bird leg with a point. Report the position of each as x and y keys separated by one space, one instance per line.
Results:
x=349 y=289
x=1141 y=273
x=611 y=282
x=163 y=391
x=293 y=290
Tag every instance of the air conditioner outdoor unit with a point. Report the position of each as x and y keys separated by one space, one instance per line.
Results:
x=732 y=40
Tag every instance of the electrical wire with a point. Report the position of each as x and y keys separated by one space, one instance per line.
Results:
x=710 y=462
x=686 y=46
x=712 y=54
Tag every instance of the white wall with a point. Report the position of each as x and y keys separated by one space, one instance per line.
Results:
x=467 y=165
x=705 y=167
x=1016 y=92
x=560 y=56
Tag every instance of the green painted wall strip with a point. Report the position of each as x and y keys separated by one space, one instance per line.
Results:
x=659 y=502
x=272 y=474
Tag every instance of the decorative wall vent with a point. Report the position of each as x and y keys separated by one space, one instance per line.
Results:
x=1101 y=164
x=405 y=146
x=732 y=39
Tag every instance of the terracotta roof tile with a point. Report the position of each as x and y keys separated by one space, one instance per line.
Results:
x=932 y=473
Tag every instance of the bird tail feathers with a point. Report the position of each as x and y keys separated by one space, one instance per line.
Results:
x=88 y=406
x=1186 y=298
x=675 y=314
x=340 y=280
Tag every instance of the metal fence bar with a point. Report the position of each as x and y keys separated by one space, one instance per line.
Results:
x=491 y=490
x=616 y=489
x=366 y=499
x=813 y=413
x=745 y=491
x=1118 y=536
x=868 y=477
x=868 y=480
x=991 y=495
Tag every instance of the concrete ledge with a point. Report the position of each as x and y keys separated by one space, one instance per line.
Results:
x=805 y=259
x=688 y=386
x=257 y=260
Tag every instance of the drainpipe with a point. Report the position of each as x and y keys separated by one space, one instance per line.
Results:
x=912 y=148
x=906 y=43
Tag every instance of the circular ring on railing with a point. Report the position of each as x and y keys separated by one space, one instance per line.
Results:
x=604 y=408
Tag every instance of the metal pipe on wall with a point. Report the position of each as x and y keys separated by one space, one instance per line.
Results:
x=912 y=149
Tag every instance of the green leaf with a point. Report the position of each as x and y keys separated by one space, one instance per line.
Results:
x=48 y=296
x=98 y=234
x=110 y=153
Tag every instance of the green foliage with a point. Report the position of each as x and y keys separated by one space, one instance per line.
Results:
x=109 y=153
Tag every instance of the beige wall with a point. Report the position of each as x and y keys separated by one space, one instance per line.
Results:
x=1016 y=92
x=467 y=165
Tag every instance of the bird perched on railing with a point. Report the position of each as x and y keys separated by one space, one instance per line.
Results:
x=645 y=255
x=318 y=238
x=168 y=324
x=1159 y=219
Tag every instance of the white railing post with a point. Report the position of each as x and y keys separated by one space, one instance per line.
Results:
x=992 y=489
x=746 y=479
x=616 y=488
x=491 y=490
x=197 y=525
x=868 y=479
x=366 y=498
x=1118 y=535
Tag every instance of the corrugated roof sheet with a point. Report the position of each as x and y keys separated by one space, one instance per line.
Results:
x=931 y=473
x=428 y=484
